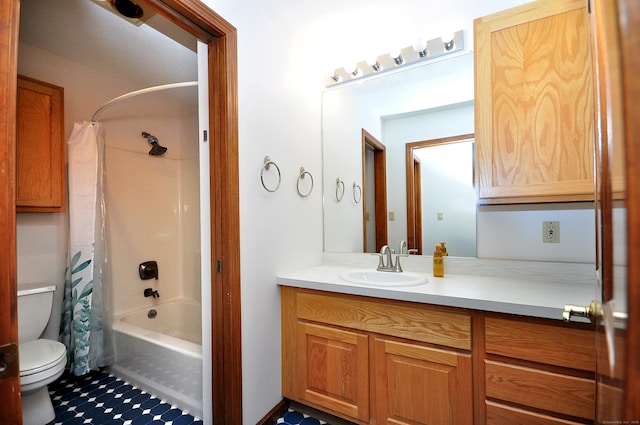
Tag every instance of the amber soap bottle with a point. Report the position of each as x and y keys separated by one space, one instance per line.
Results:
x=438 y=262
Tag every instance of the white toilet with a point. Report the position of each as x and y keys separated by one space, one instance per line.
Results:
x=42 y=361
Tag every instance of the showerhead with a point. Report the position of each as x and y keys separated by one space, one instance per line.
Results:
x=156 y=149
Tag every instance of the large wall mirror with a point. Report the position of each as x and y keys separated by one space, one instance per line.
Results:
x=411 y=108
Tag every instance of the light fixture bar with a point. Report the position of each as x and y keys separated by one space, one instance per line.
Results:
x=435 y=48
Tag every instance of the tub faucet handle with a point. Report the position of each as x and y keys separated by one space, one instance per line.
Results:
x=150 y=292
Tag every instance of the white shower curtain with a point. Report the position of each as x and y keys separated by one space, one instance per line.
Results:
x=85 y=326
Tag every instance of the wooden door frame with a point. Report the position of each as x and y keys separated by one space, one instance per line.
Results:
x=380 y=190
x=409 y=155
x=629 y=21
x=221 y=38
x=416 y=199
x=10 y=402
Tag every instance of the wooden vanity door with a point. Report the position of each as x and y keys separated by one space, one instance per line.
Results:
x=416 y=384
x=334 y=369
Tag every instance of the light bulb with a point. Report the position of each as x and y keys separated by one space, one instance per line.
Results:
x=447 y=39
x=396 y=55
x=352 y=69
x=333 y=75
x=420 y=47
x=373 y=63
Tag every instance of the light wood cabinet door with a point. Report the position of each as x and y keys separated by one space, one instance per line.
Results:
x=334 y=369
x=416 y=384
x=40 y=154
x=534 y=104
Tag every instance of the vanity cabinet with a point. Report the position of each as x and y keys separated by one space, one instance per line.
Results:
x=40 y=153
x=537 y=372
x=534 y=109
x=374 y=361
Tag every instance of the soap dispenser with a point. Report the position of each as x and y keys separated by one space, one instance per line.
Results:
x=438 y=262
x=443 y=249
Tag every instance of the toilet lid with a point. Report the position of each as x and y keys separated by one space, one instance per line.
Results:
x=39 y=355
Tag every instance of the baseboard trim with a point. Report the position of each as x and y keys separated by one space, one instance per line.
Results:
x=273 y=415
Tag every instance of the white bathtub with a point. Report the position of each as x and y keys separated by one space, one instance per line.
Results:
x=162 y=355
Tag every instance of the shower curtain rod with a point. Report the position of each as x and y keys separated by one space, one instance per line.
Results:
x=141 y=91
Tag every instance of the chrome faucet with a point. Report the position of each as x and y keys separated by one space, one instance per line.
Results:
x=385 y=266
x=388 y=265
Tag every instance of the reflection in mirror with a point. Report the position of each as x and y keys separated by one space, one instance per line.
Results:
x=374 y=182
x=431 y=101
x=440 y=172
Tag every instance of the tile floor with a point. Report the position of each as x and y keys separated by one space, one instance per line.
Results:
x=99 y=398
x=293 y=417
x=102 y=399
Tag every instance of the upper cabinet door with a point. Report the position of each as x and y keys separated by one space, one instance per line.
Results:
x=40 y=154
x=534 y=104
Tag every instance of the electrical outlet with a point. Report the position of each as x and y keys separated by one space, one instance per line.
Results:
x=551 y=232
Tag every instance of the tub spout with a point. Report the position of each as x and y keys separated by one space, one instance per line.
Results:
x=150 y=292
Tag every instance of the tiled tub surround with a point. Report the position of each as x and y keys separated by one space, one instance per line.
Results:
x=529 y=288
x=162 y=354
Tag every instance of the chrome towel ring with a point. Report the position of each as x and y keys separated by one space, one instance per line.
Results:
x=267 y=164
x=357 y=193
x=339 y=189
x=301 y=177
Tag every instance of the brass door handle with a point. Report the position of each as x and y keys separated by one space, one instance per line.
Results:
x=592 y=312
x=9 y=361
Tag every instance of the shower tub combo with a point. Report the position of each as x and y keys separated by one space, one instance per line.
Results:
x=159 y=350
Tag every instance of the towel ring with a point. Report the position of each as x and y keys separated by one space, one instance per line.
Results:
x=267 y=164
x=357 y=193
x=339 y=193
x=301 y=177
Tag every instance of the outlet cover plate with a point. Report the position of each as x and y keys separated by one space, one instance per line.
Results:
x=550 y=232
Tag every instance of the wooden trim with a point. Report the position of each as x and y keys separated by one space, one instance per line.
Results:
x=412 y=208
x=629 y=21
x=275 y=413
x=9 y=386
x=209 y=27
x=416 y=197
x=380 y=171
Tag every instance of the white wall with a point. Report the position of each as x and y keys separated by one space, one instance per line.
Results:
x=285 y=48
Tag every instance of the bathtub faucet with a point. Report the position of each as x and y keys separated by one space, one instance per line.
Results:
x=149 y=292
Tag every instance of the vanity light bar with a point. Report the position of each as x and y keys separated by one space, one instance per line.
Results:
x=435 y=48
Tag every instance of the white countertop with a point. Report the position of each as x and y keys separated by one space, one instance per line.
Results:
x=533 y=295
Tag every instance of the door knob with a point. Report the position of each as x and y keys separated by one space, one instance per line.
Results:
x=592 y=312
x=9 y=361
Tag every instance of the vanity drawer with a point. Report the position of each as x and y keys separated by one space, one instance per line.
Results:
x=403 y=320
x=555 y=345
x=500 y=414
x=553 y=392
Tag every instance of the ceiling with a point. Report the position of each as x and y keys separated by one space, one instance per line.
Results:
x=156 y=52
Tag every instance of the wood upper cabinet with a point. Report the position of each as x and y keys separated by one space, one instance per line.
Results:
x=534 y=104
x=40 y=153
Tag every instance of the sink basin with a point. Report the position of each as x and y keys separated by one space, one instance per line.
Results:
x=383 y=279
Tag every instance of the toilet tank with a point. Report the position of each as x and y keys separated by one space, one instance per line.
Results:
x=35 y=301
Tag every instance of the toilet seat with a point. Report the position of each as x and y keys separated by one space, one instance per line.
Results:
x=41 y=360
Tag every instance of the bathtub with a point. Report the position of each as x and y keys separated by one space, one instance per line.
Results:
x=159 y=350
